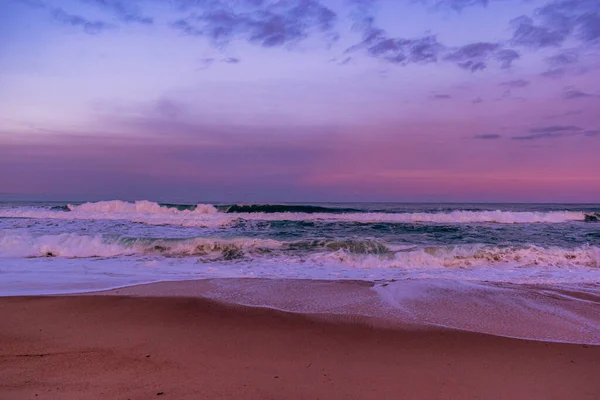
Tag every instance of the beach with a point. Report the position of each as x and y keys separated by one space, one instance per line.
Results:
x=134 y=300
x=314 y=199
x=142 y=345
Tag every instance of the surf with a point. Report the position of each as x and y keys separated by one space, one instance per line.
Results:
x=353 y=253
x=209 y=215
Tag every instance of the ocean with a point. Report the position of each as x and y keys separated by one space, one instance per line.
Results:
x=73 y=247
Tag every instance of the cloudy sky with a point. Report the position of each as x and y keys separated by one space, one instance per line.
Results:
x=305 y=100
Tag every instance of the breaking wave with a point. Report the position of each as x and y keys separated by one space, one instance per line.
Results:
x=72 y=245
x=284 y=208
x=207 y=215
x=368 y=253
x=142 y=206
x=474 y=256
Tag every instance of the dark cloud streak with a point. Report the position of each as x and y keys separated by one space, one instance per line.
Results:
x=262 y=23
x=456 y=5
x=378 y=44
x=528 y=34
x=515 y=84
x=124 y=11
x=91 y=27
x=574 y=94
x=475 y=56
x=556 y=131
x=491 y=136
x=558 y=21
x=556 y=128
x=563 y=58
x=554 y=73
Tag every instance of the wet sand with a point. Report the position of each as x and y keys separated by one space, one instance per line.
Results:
x=556 y=313
x=124 y=347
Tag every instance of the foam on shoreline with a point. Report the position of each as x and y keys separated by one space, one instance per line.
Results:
x=568 y=314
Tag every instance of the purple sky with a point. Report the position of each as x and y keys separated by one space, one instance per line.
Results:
x=306 y=100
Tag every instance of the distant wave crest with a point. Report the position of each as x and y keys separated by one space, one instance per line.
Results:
x=207 y=215
x=285 y=208
x=141 y=206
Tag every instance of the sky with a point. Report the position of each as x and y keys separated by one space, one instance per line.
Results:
x=304 y=100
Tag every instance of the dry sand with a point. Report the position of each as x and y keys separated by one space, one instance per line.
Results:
x=119 y=347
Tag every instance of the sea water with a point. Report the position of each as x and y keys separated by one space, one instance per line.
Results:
x=68 y=247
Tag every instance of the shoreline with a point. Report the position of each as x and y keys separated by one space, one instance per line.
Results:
x=560 y=314
x=136 y=347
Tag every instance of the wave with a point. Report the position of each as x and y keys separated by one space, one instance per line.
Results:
x=62 y=245
x=145 y=206
x=592 y=217
x=365 y=246
x=473 y=256
x=285 y=208
x=142 y=206
x=207 y=215
x=71 y=245
x=368 y=253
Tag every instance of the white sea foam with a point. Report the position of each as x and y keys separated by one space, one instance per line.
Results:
x=141 y=206
x=506 y=310
x=70 y=245
x=206 y=215
x=471 y=256
x=260 y=251
x=63 y=245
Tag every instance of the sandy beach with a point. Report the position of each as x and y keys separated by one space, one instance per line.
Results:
x=136 y=347
x=300 y=199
